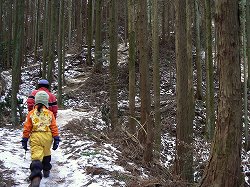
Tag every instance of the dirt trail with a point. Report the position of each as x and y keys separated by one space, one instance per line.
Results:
x=75 y=83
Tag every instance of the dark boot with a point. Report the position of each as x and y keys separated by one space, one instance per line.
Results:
x=46 y=173
x=46 y=166
x=36 y=169
x=35 y=182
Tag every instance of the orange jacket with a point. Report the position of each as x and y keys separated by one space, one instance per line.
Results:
x=43 y=121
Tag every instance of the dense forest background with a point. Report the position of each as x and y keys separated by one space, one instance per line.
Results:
x=181 y=66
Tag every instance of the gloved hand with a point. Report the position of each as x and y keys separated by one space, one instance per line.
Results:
x=24 y=143
x=56 y=142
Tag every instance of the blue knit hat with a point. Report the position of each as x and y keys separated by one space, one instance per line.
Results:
x=43 y=98
x=43 y=81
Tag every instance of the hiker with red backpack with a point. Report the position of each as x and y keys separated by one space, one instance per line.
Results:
x=43 y=85
x=41 y=130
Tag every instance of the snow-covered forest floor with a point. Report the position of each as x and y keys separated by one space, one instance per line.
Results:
x=90 y=155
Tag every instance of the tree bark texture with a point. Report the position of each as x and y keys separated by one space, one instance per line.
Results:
x=113 y=37
x=198 y=52
x=248 y=37
x=51 y=40
x=210 y=114
x=60 y=53
x=132 y=60
x=16 y=67
x=1 y=21
x=145 y=132
x=223 y=168
x=184 y=167
x=143 y=62
x=89 y=33
x=156 y=76
x=98 y=46
x=190 y=93
x=45 y=38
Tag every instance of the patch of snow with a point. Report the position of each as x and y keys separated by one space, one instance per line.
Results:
x=67 y=170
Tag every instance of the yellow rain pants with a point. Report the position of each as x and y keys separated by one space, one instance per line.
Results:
x=40 y=144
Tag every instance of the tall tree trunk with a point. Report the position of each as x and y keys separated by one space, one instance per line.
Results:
x=33 y=6
x=70 y=22
x=74 y=15
x=132 y=60
x=51 y=42
x=79 y=23
x=89 y=33
x=85 y=17
x=106 y=20
x=247 y=70
x=224 y=164
x=244 y=59
x=98 y=47
x=126 y=23
x=156 y=77
x=142 y=49
x=146 y=129
x=1 y=21
x=9 y=33
x=198 y=52
x=184 y=167
x=2 y=47
x=36 y=30
x=163 y=22
x=16 y=67
x=149 y=16
x=60 y=53
x=28 y=25
x=23 y=55
x=210 y=123
x=93 y=18
x=63 y=53
x=190 y=93
x=248 y=37
x=45 y=38
x=113 y=37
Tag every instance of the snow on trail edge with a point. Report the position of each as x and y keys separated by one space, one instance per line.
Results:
x=65 y=172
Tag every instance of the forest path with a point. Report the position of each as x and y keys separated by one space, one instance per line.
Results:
x=78 y=161
x=15 y=158
x=75 y=83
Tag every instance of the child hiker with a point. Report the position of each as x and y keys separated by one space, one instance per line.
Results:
x=41 y=128
x=43 y=85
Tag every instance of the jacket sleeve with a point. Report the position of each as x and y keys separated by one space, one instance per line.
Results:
x=53 y=104
x=27 y=128
x=54 y=109
x=31 y=101
x=53 y=126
